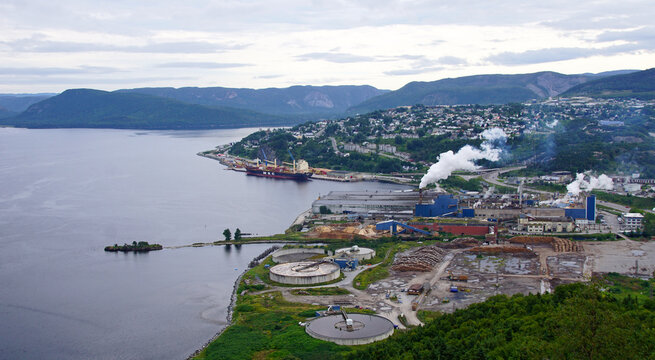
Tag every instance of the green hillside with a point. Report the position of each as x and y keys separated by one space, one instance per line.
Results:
x=575 y=322
x=478 y=89
x=85 y=108
x=639 y=85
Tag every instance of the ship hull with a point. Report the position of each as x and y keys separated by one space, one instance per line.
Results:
x=277 y=174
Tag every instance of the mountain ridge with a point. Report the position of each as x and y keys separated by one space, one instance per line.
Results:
x=475 y=89
x=640 y=84
x=302 y=100
x=88 y=108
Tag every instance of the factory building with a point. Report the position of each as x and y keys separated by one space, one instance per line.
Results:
x=545 y=225
x=377 y=203
x=449 y=206
x=633 y=221
x=443 y=205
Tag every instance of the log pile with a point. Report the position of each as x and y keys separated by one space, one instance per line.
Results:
x=421 y=259
x=566 y=245
x=558 y=244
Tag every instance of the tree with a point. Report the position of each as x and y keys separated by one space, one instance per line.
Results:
x=324 y=210
x=227 y=234
x=237 y=234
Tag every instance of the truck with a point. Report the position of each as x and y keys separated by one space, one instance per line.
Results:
x=415 y=289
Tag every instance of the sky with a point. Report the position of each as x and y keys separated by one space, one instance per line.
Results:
x=50 y=46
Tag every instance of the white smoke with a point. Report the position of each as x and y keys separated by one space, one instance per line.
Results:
x=489 y=192
x=603 y=182
x=477 y=203
x=493 y=134
x=465 y=157
x=553 y=123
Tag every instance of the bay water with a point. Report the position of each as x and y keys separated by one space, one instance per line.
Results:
x=65 y=194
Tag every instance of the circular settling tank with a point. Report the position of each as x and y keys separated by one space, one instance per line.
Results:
x=356 y=252
x=357 y=329
x=296 y=254
x=305 y=272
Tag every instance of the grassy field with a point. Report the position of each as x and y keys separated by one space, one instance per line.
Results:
x=426 y=315
x=265 y=326
x=624 y=286
x=627 y=200
x=333 y=290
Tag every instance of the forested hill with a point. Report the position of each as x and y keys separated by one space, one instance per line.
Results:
x=310 y=101
x=85 y=108
x=478 y=89
x=639 y=85
x=5 y=113
x=576 y=322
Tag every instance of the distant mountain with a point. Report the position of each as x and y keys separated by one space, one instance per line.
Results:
x=17 y=103
x=610 y=73
x=310 y=101
x=85 y=108
x=478 y=89
x=4 y=113
x=639 y=84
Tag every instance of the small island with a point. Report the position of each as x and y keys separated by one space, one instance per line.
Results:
x=141 y=246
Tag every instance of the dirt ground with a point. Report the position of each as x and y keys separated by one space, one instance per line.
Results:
x=491 y=271
x=624 y=257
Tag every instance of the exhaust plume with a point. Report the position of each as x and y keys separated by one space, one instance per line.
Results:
x=603 y=182
x=463 y=159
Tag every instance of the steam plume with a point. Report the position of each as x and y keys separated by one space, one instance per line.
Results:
x=602 y=182
x=465 y=157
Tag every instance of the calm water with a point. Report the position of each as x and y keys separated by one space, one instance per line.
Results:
x=65 y=194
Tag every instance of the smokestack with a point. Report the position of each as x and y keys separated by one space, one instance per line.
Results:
x=420 y=196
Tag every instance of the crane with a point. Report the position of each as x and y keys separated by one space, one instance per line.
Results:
x=292 y=159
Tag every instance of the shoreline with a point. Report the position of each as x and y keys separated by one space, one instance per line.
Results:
x=233 y=300
x=362 y=176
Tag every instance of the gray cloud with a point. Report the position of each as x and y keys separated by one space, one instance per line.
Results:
x=422 y=64
x=413 y=71
x=47 y=71
x=451 y=60
x=38 y=44
x=268 y=76
x=201 y=65
x=340 y=58
x=644 y=36
x=556 y=54
x=66 y=82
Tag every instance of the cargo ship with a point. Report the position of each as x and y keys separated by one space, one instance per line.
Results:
x=300 y=173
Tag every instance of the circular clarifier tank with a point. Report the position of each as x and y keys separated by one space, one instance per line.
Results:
x=356 y=329
x=305 y=272
x=356 y=252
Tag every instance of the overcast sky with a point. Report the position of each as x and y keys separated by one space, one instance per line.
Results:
x=50 y=46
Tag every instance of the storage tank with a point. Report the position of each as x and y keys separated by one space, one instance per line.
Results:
x=305 y=272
